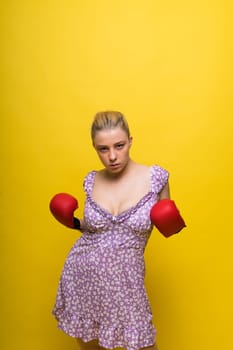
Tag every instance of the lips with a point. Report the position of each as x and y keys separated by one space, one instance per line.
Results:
x=114 y=166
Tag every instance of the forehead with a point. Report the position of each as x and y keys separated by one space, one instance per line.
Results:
x=110 y=136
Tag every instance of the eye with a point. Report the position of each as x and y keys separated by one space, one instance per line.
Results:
x=102 y=149
x=120 y=145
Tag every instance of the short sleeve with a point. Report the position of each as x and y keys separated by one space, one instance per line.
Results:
x=89 y=181
x=159 y=178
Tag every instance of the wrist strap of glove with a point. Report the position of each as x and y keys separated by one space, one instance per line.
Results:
x=77 y=224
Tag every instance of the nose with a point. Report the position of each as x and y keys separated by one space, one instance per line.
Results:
x=112 y=155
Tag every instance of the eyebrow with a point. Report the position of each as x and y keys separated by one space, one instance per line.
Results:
x=116 y=143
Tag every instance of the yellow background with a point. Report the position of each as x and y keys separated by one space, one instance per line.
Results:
x=168 y=67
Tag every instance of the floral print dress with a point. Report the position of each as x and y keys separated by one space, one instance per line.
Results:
x=101 y=292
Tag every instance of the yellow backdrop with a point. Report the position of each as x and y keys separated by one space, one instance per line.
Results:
x=168 y=67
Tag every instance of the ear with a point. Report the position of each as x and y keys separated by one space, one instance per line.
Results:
x=130 y=140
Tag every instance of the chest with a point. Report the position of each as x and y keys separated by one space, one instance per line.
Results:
x=119 y=197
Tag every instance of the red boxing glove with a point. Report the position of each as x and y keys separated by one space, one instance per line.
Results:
x=62 y=206
x=166 y=217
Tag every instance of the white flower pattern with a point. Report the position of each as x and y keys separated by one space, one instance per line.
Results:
x=101 y=292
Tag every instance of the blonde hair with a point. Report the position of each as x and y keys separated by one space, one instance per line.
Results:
x=109 y=120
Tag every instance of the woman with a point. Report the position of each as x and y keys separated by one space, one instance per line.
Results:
x=101 y=299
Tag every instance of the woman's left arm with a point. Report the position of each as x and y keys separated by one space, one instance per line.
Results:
x=165 y=193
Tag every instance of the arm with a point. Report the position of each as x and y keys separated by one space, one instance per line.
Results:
x=165 y=215
x=165 y=192
x=62 y=206
x=82 y=225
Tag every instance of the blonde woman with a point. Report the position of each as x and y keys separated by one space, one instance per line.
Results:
x=102 y=300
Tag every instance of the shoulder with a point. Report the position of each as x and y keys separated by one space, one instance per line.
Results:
x=141 y=168
x=89 y=180
x=158 y=169
x=159 y=177
x=154 y=169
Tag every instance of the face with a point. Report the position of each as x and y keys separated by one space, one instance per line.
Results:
x=112 y=147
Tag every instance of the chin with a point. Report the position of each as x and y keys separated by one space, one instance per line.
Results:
x=116 y=171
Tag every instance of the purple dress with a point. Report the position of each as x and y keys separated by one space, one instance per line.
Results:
x=101 y=293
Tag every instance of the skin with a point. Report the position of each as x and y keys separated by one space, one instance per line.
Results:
x=118 y=186
x=113 y=147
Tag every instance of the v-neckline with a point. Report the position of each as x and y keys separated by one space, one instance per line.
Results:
x=125 y=212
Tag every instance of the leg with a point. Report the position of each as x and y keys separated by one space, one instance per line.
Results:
x=153 y=347
x=91 y=345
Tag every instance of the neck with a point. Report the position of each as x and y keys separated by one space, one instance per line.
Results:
x=124 y=172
